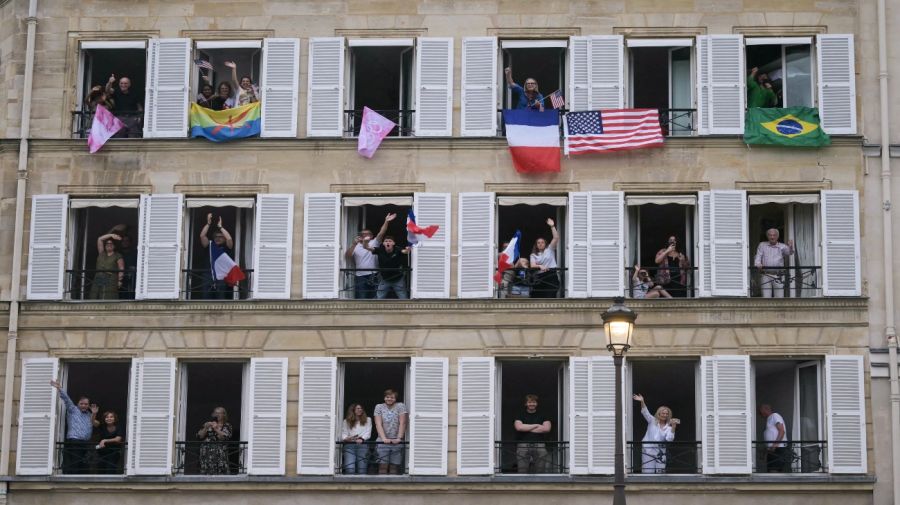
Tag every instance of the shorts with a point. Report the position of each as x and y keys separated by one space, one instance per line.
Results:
x=390 y=453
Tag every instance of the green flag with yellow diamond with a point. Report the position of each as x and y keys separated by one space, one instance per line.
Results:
x=794 y=126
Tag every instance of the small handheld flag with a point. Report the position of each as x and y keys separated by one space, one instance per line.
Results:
x=374 y=129
x=557 y=100
x=223 y=267
x=203 y=64
x=508 y=257
x=104 y=126
x=412 y=229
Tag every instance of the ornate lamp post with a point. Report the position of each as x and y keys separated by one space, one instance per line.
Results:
x=618 y=325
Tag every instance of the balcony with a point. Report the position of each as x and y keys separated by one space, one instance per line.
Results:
x=82 y=120
x=357 y=283
x=799 y=456
x=403 y=118
x=679 y=457
x=786 y=282
x=531 y=457
x=99 y=285
x=532 y=283
x=370 y=458
x=674 y=122
x=86 y=458
x=197 y=284
x=681 y=285
x=211 y=458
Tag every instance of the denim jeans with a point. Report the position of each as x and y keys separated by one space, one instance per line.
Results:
x=399 y=287
x=356 y=459
x=364 y=286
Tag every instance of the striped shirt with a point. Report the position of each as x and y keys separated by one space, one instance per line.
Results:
x=78 y=424
x=771 y=255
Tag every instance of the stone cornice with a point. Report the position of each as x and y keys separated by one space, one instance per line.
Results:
x=783 y=186
x=659 y=32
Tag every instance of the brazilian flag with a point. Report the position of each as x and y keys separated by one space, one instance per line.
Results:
x=794 y=126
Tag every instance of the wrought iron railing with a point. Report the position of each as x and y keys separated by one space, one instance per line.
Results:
x=199 y=285
x=365 y=285
x=677 y=122
x=370 y=458
x=99 y=284
x=501 y=123
x=522 y=282
x=664 y=457
x=211 y=458
x=402 y=117
x=82 y=120
x=531 y=457
x=798 y=456
x=674 y=282
x=786 y=282
x=88 y=458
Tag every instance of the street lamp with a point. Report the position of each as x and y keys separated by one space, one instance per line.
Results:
x=618 y=325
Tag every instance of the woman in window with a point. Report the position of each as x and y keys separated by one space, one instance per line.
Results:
x=660 y=429
x=644 y=287
x=215 y=435
x=204 y=99
x=223 y=99
x=109 y=448
x=545 y=283
x=355 y=432
x=672 y=269
x=247 y=91
x=528 y=97
x=109 y=269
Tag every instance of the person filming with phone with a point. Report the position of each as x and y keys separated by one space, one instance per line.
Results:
x=672 y=268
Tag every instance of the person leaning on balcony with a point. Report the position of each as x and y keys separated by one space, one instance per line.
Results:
x=215 y=434
x=759 y=90
x=110 y=269
x=215 y=289
x=543 y=258
x=769 y=259
x=97 y=96
x=660 y=429
x=247 y=92
x=128 y=106
x=644 y=287
x=528 y=97
x=109 y=448
x=392 y=266
x=81 y=420
x=365 y=262
x=672 y=268
x=355 y=433
x=531 y=434
x=390 y=424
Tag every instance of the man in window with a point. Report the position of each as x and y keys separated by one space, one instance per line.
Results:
x=531 y=433
x=128 y=106
x=81 y=420
x=778 y=455
x=360 y=251
x=215 y=289
x=392 y=266
x=759 y=90
x=769 y=259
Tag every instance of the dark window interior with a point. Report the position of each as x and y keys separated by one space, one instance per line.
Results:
x=247 y=60
x=520 y=378
x=768 y=59
x=99 y=64
x=88 y=225
x=658 y=223
x=211 y=385
x=381 y=81
x=762 y=218
x=239 y=223
x=371 y=217
x=649 y=66
x=546 y=65
x=365 y=382
x=103 y=382
x=531 y=220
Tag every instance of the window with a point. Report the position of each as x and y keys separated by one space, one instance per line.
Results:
x=247 y=57
x=673 y=96
x=381 y=79
x=528 y=215
x=785 y=65
x=653 y=222
x=99 y=61
x=541 y=60
x=237 y=220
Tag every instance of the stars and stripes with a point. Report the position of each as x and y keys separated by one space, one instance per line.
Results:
x=611 y=130
x=557 y=100
x=200 y=62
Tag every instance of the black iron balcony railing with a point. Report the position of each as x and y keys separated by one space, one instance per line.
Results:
x=211 y=458
x=199 y=285
x=532 y=283
x=786 y=282
x=682 y=457
x=403 y=118
x=501 y=124
x=798 y=456
x=371 y=458
x=677 y=122
x=88 y=458
x=531 y=457
x=675 y=282
x=82 y=120
x=99 y=284
x=363 y=283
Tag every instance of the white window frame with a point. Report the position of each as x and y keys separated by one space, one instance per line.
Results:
x=784 y=42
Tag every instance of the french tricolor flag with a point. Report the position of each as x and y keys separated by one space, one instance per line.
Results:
x=223 y=267
x=508 y=257
x=533 y=138
x=412 y=229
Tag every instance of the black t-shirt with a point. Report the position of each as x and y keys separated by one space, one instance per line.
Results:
x=390 y=263
x=528 y=418
x=127 y=102
x=105 y=434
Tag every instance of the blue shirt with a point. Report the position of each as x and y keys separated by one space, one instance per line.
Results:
x=78 y=424
x=523 y=103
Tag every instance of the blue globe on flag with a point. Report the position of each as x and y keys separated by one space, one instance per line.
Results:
x=789 y=127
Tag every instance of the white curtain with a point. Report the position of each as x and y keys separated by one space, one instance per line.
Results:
x=805 y=250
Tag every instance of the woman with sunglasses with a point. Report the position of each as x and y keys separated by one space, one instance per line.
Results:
x=529 y=97
x=643 y=286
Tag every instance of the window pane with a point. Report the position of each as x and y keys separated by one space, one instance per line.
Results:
x=798 y=66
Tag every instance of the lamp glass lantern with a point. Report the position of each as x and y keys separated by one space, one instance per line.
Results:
x=618 y=325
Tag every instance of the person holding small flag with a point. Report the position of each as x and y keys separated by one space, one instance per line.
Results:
x=222 y=273
x=529 y=97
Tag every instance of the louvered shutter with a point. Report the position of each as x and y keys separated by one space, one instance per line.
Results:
x=159 y=251
x=272 y=249
x=47 y=247
x=325 y=97
x=606 y=72
x=428 y=417
x=316 y=437
x=476 y=245
x=840 y=243
x=322 y=212
x=268 y=408
x=836 y=83
x=431 y=259
x=168 y=70
x=728 y=244
x=579 y=414
x=703 y=84
x=607 y=239
x=479 y=87
x=602 y=425
x=578 y=246
x=579 y=74
x=155 y=413
x=727 y=80
x=37 y=417
x=134 y=396
x=845 y=405
x=704 y=247
x=725 y=404
x=434 y=87
x=280 y=87
x=475 y=417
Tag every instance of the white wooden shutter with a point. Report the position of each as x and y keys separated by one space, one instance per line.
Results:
x=579 y=414
x=434 y=87
x=316 y=437
x=606 y=72
x=578 y=246
x=704 y=247
x=728 y=244
x=428 y=417
x=431 y=259
x=836 y=83
x=272 y=249
x=702 y=84
x=268 y=408
x=133 y=402
x=325 y=97
x=155 y=413
x=476 y=246
x=159 y=251
x=725 y=404
x=602 y=425
x=727 y=80
x=607 y=240
x=579 y=97
x=280 y=87
x=475 y=417
x=321 y=218
x=37 y=417
x=840 y=243
x=47 y=247
x=845 y=406
x=168 y=71
x=478 y=113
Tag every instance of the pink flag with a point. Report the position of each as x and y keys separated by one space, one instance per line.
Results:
x=375 y=128
x=105 y=125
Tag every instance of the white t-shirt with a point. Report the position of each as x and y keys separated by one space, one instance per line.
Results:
x=363 y=431
x=546 y=258
x=771 y=433
x=364 y=259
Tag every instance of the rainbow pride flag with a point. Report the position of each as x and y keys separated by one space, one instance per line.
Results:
x=224 y=125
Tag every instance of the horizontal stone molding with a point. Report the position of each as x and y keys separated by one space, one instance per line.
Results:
x=659 y=32
x=227 y=34
x=105 y=190
x=783 y=186
x=378 y=189
x=780 y=31
x=534 y=33
x=532 y=188
x=220 y=189
x=661 y=187
x=380 y=33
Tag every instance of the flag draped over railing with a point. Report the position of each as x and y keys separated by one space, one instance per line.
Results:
x=793 y=126
x=610 y=130
x=222 y=125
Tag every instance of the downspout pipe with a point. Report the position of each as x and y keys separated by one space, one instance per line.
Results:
x=16 y=271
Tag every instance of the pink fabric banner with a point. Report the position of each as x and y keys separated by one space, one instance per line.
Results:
x=375 y=128
x=104 y=126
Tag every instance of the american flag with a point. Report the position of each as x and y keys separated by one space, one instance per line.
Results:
x=557 y=100
x=612 y=130
x=203 y=64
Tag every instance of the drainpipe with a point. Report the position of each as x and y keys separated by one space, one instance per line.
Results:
x=15 y=273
